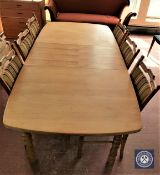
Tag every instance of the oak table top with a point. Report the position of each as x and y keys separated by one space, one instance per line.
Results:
x=74 y=81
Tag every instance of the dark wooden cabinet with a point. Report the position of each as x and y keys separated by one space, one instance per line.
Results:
x=14 y=15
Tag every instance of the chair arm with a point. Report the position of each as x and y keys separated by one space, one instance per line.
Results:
x=128 y=17
x=52 y=11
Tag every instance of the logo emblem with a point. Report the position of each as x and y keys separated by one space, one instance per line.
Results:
x=144 y=159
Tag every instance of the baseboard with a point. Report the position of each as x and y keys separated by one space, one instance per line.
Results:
x=144 y=30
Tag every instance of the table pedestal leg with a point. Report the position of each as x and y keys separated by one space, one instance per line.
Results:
x=29 y=148
x=113 y=152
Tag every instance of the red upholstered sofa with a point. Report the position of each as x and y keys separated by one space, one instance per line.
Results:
x=106 y=12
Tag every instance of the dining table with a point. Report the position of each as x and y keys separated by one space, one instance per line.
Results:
x=74 y=82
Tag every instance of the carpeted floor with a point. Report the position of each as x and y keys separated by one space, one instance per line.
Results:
x=58 y=157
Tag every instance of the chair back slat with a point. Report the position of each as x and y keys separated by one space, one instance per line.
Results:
x=8 y=80
x=4 y=60
x=144 y=83
x=129 y=51
x=33 y=26
x=120 y=32
x=26 y=38
x=11 y=65
x=24 y=43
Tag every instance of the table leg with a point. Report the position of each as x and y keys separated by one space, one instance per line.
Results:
x=113 y=152
x=67 y=143
x=123 y=142
x=29 y=148
x=80 y=145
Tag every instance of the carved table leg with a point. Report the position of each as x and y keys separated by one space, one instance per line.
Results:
x=123 y=142
x=80 y=145
x=28 y=144
x=113 y=152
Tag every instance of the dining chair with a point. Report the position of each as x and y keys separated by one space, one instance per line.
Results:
x=129 y=51
x=24 y=43
x=10 y=65
x=33 y=26
x=120 y=32
x=145 y=87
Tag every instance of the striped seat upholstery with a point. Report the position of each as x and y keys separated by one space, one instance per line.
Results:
x=120 y=32
x=129 y=51
x=10 y=64
x=144 y=83
x=33 y=26
x=24 y=43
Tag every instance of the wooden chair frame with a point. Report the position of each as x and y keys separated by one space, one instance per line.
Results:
x=2 y=65
x=20 y=39
x=141 y=105
x=153 y=85
x=3 y=61
x=128 y=18
x=3 y=39
x=122 y=30
x=133 y=46
x=30 y=22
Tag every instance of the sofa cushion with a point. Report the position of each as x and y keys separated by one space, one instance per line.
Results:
x=90 y=18
x=102 y=7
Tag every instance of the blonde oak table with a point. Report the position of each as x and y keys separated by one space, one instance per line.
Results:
x=74 y=82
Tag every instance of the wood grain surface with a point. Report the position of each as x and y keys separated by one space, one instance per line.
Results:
x=74 y=81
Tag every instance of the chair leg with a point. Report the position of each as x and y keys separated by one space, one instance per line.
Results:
x=113 y=152
x=151 y=46
x=29 y=148
x=123 y=142
x=80 y=145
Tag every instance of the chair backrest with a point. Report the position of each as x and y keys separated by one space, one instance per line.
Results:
x=120 y=32
x=33 y=26
x=10 y=65
x=24 y=43
x=129 y=51
x=5 y=45
x=144 y=83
